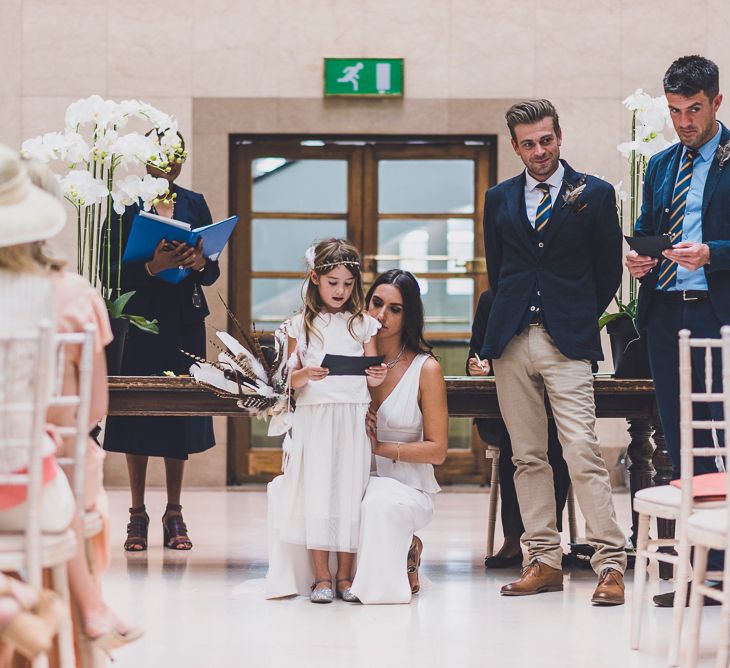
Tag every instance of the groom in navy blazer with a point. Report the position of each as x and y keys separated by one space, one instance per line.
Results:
x=553 y=247
x=687 y=195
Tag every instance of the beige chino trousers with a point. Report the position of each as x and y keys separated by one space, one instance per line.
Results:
x=530 y=366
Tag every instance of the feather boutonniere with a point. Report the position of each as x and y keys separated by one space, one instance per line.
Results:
x=723 y=154
x=574 y=191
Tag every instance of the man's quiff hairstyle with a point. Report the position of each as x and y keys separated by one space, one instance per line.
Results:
x=529 y=112
x=690 y=75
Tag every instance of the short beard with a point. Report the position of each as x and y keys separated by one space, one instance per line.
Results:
x=706 y=136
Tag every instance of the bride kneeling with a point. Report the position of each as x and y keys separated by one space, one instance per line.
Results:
x=408 y=427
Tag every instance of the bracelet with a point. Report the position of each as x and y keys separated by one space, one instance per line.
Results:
x=397 y=450
x=147 y=269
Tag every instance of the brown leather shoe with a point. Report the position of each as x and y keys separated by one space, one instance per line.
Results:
x=610 y=589
x=536 y=578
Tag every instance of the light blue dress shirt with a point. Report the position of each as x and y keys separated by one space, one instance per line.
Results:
x=692 y=223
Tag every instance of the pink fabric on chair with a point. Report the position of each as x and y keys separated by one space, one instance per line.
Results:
x=14 y=495
x=707 y=487
x=77 y=305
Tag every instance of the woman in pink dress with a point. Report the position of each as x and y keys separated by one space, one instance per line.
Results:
x=34 y=286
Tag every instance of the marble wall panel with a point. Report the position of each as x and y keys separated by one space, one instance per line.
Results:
x=215 y=115
x=64 y=47
x=43 y=113
x=718 y=27
x=492 y=49
x=417 y=31
x=235 y=45
x=11 y=47
x=10 y=120
x=592 y=128
x=149 y=48
x=653 y=34
x=304 y=41
x=577 y=49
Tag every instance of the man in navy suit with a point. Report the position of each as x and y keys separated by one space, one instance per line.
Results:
x=686 y=195
x=553 y=248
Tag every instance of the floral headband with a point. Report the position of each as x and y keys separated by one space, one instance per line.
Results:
x=309 y=259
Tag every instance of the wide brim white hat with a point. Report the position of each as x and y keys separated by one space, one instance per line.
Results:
x=27 y=213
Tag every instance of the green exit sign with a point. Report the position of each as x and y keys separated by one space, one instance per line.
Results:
x=363 y=77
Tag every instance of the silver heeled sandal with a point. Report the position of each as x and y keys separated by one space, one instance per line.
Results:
x=324 y=595
x=346 y=594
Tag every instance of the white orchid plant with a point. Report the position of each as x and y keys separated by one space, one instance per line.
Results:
x=649 y=122
x=97 y=159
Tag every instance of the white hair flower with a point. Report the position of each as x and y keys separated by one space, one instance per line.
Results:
x=309 y=257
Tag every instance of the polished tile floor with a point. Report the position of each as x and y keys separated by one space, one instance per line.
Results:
x=206 y=608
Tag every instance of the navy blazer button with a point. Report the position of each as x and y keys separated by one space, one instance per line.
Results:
x=540 y=245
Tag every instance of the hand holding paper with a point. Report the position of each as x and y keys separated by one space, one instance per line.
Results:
x=345 y=365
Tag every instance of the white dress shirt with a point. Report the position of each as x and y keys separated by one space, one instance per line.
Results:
x=533 y=194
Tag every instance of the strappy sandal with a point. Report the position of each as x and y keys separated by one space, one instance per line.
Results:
x=139 y=522
x=346 y=593
x=174 y=531
x=323 y=595
x=414 y=561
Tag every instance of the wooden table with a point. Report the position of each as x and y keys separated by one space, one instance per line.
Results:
x=467 y=397
x=633 y=400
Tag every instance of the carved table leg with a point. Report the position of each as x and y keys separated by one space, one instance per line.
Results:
x=641 y=470
x=664 y=471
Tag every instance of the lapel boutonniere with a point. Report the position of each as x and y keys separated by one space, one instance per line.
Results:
x=574 y=191
x=723 y=154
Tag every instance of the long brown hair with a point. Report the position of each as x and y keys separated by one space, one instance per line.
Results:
x=411 y=335
x=328 y=254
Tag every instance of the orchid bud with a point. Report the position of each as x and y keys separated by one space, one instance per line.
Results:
x=156 y=200
x=168 y=170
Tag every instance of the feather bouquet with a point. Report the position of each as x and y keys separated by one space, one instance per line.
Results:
x=255 y=376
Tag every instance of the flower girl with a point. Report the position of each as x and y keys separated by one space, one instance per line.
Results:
x=315 y=505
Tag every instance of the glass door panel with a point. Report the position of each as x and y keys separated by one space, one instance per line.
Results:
x=279 y=243
x=299 y=186
x=273 y=300
x=426 y=186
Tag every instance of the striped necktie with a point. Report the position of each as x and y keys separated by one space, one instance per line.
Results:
x=542 y=215
x=668 y=268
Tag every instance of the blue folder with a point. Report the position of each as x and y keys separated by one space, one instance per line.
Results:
x=148 y=229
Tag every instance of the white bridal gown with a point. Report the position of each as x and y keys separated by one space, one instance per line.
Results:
x=398 y=500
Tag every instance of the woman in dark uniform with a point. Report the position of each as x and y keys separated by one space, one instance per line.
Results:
x=180 y=311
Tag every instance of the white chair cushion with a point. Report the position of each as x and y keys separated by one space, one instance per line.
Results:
x=664 y=501
x=56 y=548
x=708 y=527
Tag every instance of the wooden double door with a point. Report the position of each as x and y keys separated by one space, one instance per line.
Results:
x=410 y=202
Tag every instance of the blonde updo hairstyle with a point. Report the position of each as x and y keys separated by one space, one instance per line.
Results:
x=329 y=254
